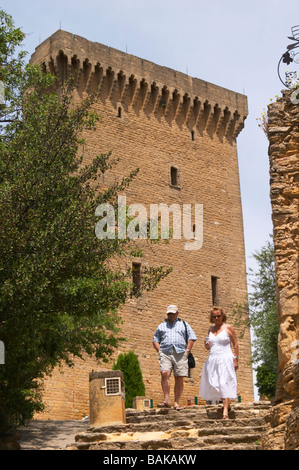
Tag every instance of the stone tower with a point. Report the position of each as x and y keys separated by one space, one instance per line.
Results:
x=181 y=132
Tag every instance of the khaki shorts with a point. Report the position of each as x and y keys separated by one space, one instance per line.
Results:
x=178 y=362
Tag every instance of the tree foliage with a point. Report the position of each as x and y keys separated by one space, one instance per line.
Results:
x=260 y=314
x=59 y=292
x=266 y=378
x=264 y=320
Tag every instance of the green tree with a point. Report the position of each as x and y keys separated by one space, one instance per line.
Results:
x=59 y=295
x=264 y=320
x=260 y=314
x=134 y=386
x=266 y=380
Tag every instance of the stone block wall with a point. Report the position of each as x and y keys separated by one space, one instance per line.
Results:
x=283 y=134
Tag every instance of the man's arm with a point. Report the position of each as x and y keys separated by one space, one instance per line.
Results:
x=190 y=345
x=157 y=340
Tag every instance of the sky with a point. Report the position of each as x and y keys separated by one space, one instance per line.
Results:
x=233 y=43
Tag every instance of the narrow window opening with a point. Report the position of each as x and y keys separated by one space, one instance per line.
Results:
x=214 y=283
x=119 y=112
x=174 y=176
x=136 y=279
x=192 y=135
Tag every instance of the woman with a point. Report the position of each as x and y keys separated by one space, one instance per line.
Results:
x=218 y=378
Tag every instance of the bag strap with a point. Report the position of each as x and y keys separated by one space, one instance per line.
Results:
x=186 y=333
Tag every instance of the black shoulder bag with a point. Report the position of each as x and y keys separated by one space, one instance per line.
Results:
x=191 y=359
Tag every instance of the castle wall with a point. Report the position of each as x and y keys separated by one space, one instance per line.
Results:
x=282 y=129
x=155 y=118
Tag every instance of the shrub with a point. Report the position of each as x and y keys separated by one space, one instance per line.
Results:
x=129 y=365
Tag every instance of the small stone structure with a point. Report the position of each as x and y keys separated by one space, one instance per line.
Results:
x=107 y=398
x=142 y=403
x=283 y=134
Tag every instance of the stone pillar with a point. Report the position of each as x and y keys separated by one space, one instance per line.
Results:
x=106 y=398
x=283 y=134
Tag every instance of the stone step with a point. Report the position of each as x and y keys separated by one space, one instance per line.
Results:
x=263 y=405
x=175 y=442
x=93 y=436
x=177 y=424
x=195 y=412
x=226 y=431
x=192 y=428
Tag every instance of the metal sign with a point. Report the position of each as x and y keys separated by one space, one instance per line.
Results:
x=290 y=59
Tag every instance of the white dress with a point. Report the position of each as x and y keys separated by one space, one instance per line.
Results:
x=218 y=377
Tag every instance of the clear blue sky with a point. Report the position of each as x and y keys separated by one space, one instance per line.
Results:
x=232 y=43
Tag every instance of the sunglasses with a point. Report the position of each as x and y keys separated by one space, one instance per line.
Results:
x=216 y=316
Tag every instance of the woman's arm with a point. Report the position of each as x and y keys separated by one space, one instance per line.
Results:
x=234 y=341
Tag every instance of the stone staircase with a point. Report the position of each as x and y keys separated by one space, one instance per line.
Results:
x=197 y=427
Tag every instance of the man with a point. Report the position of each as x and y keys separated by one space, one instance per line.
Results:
x=170 y=342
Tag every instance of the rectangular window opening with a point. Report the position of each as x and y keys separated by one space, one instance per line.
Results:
x=174 y=176
x=136 y=278
x=214 y=284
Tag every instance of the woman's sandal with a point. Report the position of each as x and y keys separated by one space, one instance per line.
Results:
x=177 y=408
x=164 y=405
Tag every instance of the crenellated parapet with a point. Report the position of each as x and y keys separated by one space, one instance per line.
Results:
x=131 y=83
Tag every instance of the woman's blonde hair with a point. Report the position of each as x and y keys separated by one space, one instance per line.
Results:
x=217 y=309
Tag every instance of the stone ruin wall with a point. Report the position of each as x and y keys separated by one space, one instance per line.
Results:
x=283 y=135
x=155 y=118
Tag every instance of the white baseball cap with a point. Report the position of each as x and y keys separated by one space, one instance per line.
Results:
x=172 y=309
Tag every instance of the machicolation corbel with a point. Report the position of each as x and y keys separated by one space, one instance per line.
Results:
x=135 y=84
